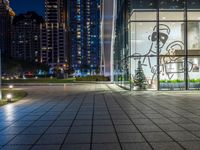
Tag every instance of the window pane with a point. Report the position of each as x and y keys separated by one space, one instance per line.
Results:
x=194 y=10
x=193 y=38
x=194 y=72
x=141 y=42
x=149 y=75
x=144 y=4
x=174 y=42
x=193 y=14
x=143 y=15
x=171 y=15
x=171 y=4
x=193 y=4
x=172 y=73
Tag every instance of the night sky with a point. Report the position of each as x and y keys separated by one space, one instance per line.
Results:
x=22 y=6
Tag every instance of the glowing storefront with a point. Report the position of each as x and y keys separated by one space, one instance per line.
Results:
x=160 y=37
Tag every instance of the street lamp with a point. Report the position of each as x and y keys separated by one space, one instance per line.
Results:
x=0 y=78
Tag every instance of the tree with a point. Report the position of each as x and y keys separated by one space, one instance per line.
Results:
x=70 y=71
x=139 y=79
x=10 y=66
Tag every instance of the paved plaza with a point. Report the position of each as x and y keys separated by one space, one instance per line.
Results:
x=100 y=117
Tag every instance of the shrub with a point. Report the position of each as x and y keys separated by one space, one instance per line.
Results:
x=93 y=78
x=179 y=81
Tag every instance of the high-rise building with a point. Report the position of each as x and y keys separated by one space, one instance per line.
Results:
x=54 y=33
x=85 y=36
x=26 y=37
x=6 y=15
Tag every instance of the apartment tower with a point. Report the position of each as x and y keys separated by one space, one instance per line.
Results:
x=54 y=33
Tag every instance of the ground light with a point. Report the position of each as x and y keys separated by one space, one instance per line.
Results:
x=9 y=97
x=10 y=87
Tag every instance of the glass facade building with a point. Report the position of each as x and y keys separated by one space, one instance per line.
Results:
x=161 y=38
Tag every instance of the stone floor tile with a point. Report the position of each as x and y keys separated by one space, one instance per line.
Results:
x=157 y=137
x=142 y=121
x=103 y=129
x=180 y=120
x=122 y=122
x=78 y=139
x=24 y=139
x=171 y=127
x=101 y=117
x=54 y=139
x=135 y=146
x=16 y=147
x=131 y=137
x=102 y=122
x=84 y=117
x=81 y=129
x=110 y=146
x=4 y=139
x=34 y=130
x=138 y=116
x=105 y=138
x=76 y=147
x=42 y=123
x=126 y=128
x=191 y=127
x=82 y=123
x=166 y=146
x=161 y=121
x=31 y=117
x=148 y=128
x=182 y=136
x=22 y=123
x=62 y=123
x=57 y=130
x=191 y=145
x=12 y=130
x=46 y=147
x=155 y=116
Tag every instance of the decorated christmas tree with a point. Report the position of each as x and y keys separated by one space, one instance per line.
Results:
x=139 y=79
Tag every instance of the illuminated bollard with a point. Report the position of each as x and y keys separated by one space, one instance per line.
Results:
x=9 y=97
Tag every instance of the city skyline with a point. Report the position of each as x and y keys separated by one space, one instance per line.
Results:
x=68 y=39
x=39 y=7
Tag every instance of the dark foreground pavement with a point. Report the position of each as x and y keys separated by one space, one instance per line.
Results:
x=101 y=117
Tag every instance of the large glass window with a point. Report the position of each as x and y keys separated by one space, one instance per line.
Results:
x=151 y=40
x=144 y=49
x=163 y=45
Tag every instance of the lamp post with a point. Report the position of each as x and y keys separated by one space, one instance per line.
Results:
x=0 y=78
